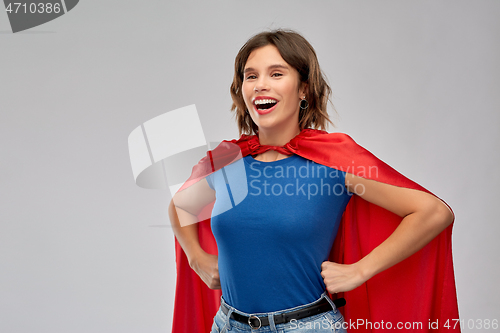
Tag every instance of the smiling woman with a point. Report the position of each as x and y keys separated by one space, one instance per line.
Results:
x=278 y=259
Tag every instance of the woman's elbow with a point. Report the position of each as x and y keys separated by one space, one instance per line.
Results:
x=442 y=216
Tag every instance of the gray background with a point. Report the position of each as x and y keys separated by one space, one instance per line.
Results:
x=83 y=249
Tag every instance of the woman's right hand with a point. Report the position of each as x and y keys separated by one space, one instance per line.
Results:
x=207 y=267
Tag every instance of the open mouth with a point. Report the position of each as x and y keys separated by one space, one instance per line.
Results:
x=264 y=104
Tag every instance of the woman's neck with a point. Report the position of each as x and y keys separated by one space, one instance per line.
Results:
x=277 y=137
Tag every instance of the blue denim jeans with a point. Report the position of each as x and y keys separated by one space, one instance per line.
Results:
x=330 y=321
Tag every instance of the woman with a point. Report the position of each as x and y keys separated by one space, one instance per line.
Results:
x=274 y=245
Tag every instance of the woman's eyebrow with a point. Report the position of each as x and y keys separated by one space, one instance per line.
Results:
x=279 y=66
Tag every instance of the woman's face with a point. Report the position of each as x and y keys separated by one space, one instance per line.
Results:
x=271 y=89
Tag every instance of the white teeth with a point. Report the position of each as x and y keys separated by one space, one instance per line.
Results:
x=264 y=101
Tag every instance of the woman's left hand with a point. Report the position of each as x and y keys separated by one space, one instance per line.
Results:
x=340 y=277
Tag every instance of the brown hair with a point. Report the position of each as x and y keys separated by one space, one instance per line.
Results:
x=299 y=54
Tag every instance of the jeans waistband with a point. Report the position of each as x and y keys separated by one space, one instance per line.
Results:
x=270 y=315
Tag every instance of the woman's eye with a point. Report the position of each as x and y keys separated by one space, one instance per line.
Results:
x=277 y=74
x=249 y=77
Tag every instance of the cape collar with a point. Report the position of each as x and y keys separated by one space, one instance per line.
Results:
x=290 y=148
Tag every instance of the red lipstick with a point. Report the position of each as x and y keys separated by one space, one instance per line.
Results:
x=264 y=100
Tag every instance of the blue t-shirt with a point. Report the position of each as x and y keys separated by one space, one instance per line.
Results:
x=274 y=224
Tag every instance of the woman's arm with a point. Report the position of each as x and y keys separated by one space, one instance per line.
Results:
x=424 y=217
x=185 y=227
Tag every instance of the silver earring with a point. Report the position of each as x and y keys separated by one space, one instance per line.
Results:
x=304 y=104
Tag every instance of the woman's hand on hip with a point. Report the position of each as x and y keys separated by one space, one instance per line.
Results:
x=207 y=267
x=340 y=277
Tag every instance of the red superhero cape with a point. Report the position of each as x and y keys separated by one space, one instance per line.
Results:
x=418 y=294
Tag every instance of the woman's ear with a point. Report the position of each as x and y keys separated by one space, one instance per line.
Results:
x=303 y=89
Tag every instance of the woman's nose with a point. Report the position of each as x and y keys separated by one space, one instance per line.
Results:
x=261 y=85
